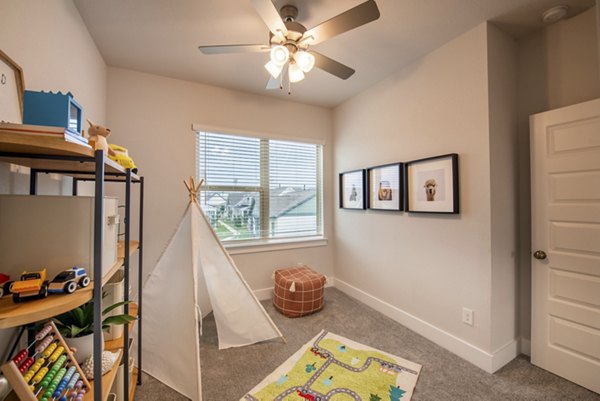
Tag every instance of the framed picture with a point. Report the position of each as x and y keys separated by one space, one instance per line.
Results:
x=432 y=185
x=353 y=190
x=12 y=88
x=385 y=187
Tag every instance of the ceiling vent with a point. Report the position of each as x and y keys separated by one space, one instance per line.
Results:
x=554 y=14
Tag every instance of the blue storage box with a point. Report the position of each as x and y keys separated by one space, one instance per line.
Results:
x=52 y=109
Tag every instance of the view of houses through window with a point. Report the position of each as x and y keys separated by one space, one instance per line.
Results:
x=258 y=188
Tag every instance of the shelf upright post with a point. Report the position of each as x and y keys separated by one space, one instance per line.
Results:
x=98 y=246
x=140 y=281
x=33 y=175
x=126 y=283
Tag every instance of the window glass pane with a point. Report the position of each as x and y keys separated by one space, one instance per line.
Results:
x=233 y=214
x=229 y=159
x=292 y=189
x=260 y=188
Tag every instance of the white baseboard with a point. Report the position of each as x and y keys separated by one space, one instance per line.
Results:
x=525 y=346
x=490 y=362
x=264 y=294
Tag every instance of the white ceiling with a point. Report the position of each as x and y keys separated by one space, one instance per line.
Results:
x=161 y=37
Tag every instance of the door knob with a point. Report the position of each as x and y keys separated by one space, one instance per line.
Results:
x=541 y=255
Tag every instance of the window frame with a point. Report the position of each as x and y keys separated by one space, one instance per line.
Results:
x=267 y=243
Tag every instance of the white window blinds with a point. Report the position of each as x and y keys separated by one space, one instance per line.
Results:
x=259 y=188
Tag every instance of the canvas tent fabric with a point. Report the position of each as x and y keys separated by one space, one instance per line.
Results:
x=193 y=276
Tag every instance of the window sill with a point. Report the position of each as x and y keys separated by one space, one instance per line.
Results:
x=270 y=245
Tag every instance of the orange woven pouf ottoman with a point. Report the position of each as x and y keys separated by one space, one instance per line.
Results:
x=298 y=291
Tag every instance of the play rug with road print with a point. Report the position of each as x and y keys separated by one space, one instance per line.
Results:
x=331 y=367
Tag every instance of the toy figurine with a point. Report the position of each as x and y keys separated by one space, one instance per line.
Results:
x=97 y=137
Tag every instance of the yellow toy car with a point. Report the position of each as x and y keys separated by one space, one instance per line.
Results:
x=30 y=285
x=121 y=156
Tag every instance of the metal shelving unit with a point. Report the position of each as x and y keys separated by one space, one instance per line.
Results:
x=51 y=155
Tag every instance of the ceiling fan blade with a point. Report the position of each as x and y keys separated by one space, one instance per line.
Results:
x=331 y=66
x=269 y=14
x=224 y=49
x=353 y=18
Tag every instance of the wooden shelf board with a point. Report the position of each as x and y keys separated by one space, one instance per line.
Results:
x=117 y=343
x=41 y=145
x=13 y=315
x=107 y=381
x=133 y=246
x=133 y=384
x=27 y=144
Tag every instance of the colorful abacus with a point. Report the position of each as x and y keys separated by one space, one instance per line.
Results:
x=50 y=373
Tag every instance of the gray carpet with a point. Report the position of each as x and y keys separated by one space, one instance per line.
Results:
x=227 y=375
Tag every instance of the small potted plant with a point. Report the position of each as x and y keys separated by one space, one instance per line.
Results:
x=77 y=327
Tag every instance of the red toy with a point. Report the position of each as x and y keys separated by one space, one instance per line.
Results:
x=5 y=284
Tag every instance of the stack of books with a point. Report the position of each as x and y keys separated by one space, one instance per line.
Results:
x=62 y=133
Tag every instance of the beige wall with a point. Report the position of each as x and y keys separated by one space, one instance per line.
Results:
x=427 y=267
x=152 y=117
x=557 y=66
x=50 y=42
x=502 y=93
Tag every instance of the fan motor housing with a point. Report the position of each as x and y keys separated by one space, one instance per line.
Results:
x=295 y=32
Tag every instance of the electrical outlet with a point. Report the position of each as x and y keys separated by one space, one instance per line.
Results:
x=467 y=316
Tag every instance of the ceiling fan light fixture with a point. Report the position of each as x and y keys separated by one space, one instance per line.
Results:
x=274 y=69
x=305 y=60
x=280 y=55
x=295 y=73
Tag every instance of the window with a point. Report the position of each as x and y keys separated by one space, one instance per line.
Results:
x=259 y=188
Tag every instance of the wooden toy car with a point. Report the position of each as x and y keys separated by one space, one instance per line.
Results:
x=5 y=284
x=66 y=282
x=30 y=285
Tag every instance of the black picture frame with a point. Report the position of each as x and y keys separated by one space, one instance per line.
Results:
x=385 y=187
x=353 y=190
x=431 y=185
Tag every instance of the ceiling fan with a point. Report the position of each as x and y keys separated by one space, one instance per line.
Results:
x=290 y=41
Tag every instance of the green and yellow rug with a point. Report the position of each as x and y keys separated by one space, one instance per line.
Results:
x=331 y=367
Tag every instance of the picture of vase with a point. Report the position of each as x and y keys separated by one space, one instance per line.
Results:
x=385 y=191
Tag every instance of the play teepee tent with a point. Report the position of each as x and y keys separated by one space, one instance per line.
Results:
x=193 y=276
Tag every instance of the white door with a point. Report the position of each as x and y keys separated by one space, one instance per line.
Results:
x=565 y=185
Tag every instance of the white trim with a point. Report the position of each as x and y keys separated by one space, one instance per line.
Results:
x=525 y=346
x=265 y=294
x=477 y=356
x=270 y=245
x=255 y=134
x=504 y=355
